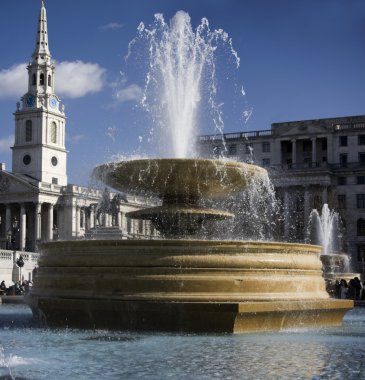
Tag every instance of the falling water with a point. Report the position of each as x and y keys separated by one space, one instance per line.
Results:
x=181 y=73
x=257 y=213
x=324 y=229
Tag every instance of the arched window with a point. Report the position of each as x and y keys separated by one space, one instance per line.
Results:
x=41 y=79
x=34 y=80
x=49 y=81
x=361 y=227
x=28 y=130
x=53 y=132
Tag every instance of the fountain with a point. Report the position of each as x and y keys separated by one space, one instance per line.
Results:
x=182 y=282
x=325 y=230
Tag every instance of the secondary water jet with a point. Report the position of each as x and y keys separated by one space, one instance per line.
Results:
x=324 y=228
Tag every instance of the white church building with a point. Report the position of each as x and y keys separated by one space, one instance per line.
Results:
x=37 y=203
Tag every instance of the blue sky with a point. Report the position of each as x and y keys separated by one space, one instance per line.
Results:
x=299 y=60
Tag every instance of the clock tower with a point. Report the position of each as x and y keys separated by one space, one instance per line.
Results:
x=39 y=149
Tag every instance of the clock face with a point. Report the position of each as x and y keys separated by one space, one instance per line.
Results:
x=53 y=102
x=30 y=100
x=26 y=159
x=54 y=161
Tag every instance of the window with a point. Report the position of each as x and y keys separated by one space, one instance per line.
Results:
x=360 y=200
x=361 y=253
x=266 y=162
x=34 y=80
x=232 y=149
x=49 y=80
x=28 y=131
x=343 y=141
x=53 y=132
x=343 y=159
x=41 y=79
x=54 y=181
x=360 y=227
x=361 y=139
x=362 y=157
x=341 y=200
x=307 y=146
x=341 y=181
x=248 y=148
x=265 y=147
x=360 y=180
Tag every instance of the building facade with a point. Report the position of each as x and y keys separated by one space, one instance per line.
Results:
x=310 y=162
x=37 y=203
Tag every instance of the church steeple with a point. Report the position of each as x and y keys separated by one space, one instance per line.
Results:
x=39 y=149
x=41 y=51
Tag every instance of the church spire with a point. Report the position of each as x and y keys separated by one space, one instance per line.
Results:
x=41 y=51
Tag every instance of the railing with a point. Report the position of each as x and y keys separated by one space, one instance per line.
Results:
x=318 y=166
x=348 y=165
x=11 y=272
x=28 y=257
x=344 y=127
x=6 y=255
x=300 y=166
x=239 y=135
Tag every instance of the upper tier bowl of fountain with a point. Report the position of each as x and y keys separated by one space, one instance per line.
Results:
x=180 y=184
x=177 y=178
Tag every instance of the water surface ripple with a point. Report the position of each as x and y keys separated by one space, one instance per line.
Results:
x=29 y=352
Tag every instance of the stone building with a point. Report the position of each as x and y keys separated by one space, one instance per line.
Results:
x=36 y=201
x=310 y=162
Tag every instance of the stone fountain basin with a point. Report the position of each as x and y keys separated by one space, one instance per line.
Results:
x=183 y=285
x=179 y=178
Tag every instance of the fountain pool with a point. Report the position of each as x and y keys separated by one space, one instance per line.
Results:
x=29 y=352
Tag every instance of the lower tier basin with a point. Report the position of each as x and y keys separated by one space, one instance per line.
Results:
x=183 y=285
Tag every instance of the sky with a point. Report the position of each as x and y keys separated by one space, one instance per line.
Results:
x=299 y=59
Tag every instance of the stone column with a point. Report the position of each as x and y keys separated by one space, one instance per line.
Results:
x=23 y=227
x=37 y=222
x=92 y=217
x=50 y=222
x=119 y=219
x=78 y=221
x=7 y=218
x=314 y=150
x=286 y=215
x=294 y=151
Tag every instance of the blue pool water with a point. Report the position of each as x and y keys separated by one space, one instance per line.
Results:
x=29 y=352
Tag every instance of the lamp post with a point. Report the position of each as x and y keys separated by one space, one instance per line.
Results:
x=20 y=264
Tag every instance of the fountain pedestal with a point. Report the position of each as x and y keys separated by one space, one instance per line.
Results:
x=183 y=285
